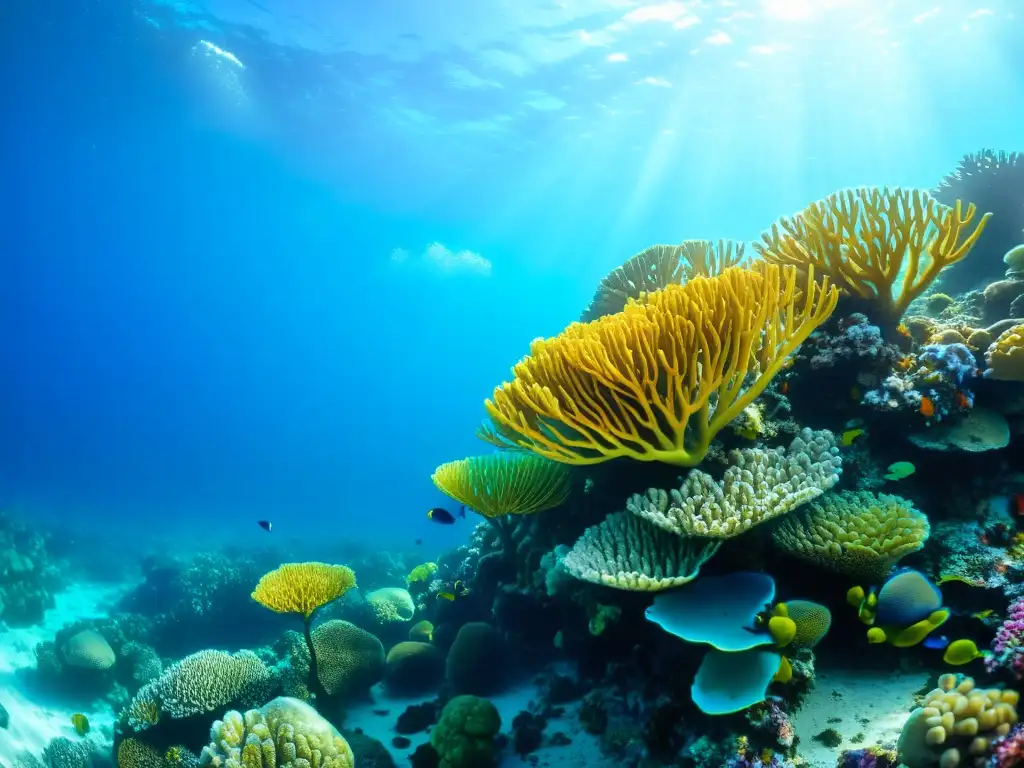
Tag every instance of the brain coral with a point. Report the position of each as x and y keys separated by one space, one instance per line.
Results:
x=285 y=733
x=201 y=682
x=89 y=649
x=464 y=737
x=855 y=533
x=391 y=605
x=350 y=659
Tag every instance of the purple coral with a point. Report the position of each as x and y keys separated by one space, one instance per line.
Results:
x=868 y=757
x=1008 y=751
x=859 y=340
x=1008 y=645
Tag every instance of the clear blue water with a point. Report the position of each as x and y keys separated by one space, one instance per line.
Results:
x=266 y=259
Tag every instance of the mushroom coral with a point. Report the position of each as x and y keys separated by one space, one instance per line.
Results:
x=658 y=381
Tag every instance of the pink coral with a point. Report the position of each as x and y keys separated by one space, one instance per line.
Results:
x=1008 y=645
x=1008 y=751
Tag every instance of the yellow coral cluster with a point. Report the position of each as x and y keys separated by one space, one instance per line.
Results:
x=658 y=267
x=504 y=483
x=303 y=587
x=858 y=534
x=132 y=753
x=627 y=552
x=1005 y=356
x=956 y=724
x=658 y=381
x=286 y=733
x=884 y=245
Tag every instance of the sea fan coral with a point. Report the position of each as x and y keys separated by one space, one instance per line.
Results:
x=657 y=381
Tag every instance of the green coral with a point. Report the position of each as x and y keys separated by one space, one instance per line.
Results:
x=286 y=733
x=201 y=682
x=856 y=533
x=464 y=737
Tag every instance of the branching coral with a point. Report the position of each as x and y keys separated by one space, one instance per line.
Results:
x=858 y=534
x=884 y=245
x=1005 y=356
x=1008 y=644
x=199 y=683
x=304 y=588
x=758 y=485
x=286 y=733
x=658 y=267
x=504 y=484
x=658 y=381
x=627 y=552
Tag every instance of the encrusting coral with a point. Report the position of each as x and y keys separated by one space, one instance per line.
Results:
x=285 y=733
x=884 y=245
x=627 y=552
x=304 y=588
x=956 y=725
x=658 y=267
x=758 y=486
x=856 y=533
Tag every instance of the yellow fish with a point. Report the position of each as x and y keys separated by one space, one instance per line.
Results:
x=81 y=723
x=963 y=580
x=961 y=652
x=850 y=435
x=982 y=615
x=445 y=596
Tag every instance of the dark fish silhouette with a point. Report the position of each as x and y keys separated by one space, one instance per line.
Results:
x=419 y=542
x=266 y=525
x=443 y=516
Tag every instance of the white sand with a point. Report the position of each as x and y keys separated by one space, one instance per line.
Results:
x=583 y=751
x=34 y=724
x=869 y=702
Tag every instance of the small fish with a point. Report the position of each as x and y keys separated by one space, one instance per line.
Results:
x=850 y=435
x=784 y=387
x=936 y=643
x=266 y=525
x=446 y=596
x=443 y=516
x=927 y=407
x=460 y=589
x=961 y=652
x=418 y=542
x=963 y=402
x=80 y=723
x=982 y=615
x=900 y=470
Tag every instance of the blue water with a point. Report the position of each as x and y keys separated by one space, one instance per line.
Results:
x=266 y=260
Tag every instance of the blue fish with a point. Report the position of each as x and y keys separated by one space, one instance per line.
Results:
x=936 y=643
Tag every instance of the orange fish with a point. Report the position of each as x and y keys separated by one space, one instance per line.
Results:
x=962 y=402
x=927 y=407
x=784 y=387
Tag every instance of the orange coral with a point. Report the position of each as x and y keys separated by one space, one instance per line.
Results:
x=886 y=245
x=657 y=381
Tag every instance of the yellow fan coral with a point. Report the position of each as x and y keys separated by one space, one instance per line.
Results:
x=856 y=533
x=886 y=245
x=1005 y=356
x=504 y=484
x=658 y=267
x=304 y=588
x=660 y=379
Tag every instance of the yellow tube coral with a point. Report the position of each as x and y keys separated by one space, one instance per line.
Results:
x=504 y=483
x=858 y=534
x=658 y=381
x=885 y=245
